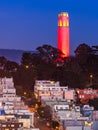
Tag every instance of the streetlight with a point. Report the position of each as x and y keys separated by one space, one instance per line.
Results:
x=26 y=66
x=91 y=79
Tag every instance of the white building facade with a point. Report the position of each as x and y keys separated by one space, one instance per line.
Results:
x=50 y=90
x=10 y=103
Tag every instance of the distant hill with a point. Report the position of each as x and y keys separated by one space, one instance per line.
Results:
x=12 y=54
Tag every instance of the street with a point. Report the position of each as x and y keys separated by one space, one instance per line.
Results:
x=41 y=124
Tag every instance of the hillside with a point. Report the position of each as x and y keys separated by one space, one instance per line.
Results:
x=12 y=54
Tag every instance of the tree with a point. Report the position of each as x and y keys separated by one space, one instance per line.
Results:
x=11 y=66
x=49 y=53
x=41 y=112
x=45 y=71
x=95 y=49
x=25 y=77
x=82 y=53
x=55 y=125
x=26 y=59
x=47 y=112
x=94 y=103
x=36 y=59
x=3 y=61
x=72 y=65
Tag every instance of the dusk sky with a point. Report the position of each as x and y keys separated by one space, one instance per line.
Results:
x=27 y=24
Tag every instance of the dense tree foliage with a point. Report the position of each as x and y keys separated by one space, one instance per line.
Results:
x=48 y=112
x=94 y=103
x=26 y=59
x=87 y=57
x=82 y=53
x=49 y=53
x=3 y=61
x=11 y=66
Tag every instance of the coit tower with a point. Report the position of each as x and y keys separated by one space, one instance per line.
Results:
x=63 y=33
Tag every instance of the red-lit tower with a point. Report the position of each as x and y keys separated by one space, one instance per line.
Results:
x=63 y=33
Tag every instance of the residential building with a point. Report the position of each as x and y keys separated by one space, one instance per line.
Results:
x=10 y=103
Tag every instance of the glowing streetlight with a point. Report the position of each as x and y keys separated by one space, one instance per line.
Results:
x=26 y=66
x=25 y=93
x=91 y=79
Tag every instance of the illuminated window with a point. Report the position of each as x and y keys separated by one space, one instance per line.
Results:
x=3 y=125
x=60 y=23
x=67 y=14
x=64 y=14
x=80 y=96
x=64 y=24
x=12 y=125
x=88 y=123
